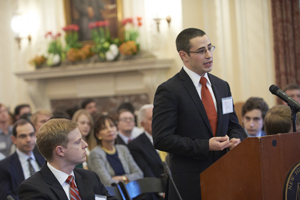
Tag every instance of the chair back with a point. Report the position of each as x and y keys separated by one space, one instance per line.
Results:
x=115 y=190
x=142 y=186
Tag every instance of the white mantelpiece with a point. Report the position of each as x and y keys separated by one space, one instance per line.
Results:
x=96 y=80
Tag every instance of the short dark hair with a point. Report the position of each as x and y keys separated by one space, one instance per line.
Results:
x=86 y=102
x=291 y=87
x=100 y=124
x=20 y=122
x=255 y=103
x=126 y=106
x=184 y=37
x=19 y=107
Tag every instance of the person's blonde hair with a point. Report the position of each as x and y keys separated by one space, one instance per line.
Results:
x=52 y=134
x=34 y=117
x=90 y=138
x=278 y=120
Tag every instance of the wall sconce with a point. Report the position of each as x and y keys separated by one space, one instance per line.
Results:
x=157 y=20
x=18 y=25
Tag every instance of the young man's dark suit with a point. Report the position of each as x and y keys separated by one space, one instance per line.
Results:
x=119 y=140
x=181 y=127
x=44 y=185
x=11 y=174
x=146 y=156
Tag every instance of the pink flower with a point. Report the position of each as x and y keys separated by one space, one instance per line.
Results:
x=48 y=33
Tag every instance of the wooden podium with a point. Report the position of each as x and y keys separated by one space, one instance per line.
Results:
x=256 y=169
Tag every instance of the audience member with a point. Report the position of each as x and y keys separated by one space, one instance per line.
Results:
x=125 y=125
x=39 y=118
x=136 y=131
x=5 y=131
x=86 y=126
x=141 y=148
x=278 y=120
x=61 y=143
x=113 y=163
x=60 y=114
x=23 y=163
x=253 y=113
x=293 y=91
x=90 y=105
x=20 y=110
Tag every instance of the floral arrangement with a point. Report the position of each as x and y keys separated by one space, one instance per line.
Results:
x=71 y=37
x=105 y=47
x=80 y=54
x=54 y=49
x=131 y=34
x=38 y=61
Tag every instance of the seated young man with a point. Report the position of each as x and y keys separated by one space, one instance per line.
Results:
x=253 y=112
x=61 y=143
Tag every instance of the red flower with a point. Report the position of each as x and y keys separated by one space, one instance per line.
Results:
x=139 y=19
x=48 y=33
x=91 y=25
x=99 y=23
x=105 y=23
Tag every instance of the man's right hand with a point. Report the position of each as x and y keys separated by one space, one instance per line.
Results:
x=218 y=143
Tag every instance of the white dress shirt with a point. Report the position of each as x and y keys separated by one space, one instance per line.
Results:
x=62 y=177
x=196 y=81
x=24 y=163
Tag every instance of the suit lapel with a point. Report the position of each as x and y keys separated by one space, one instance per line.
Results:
x=16 y=168
x=53 y=182
x=189 y=86
x=85 y=189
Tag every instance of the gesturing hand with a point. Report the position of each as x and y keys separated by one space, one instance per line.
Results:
x=219 y=143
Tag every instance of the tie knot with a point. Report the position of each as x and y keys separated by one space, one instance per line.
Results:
x=29 y=159
x=69 y=179
x=203 y=80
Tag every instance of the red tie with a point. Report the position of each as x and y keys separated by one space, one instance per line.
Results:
x=74 y=193
x=209 y=105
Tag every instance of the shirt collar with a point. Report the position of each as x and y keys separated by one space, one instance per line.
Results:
x=60 y=176
x=149 y=136
x=195 y=77
x=23 y=157
x=124 y=138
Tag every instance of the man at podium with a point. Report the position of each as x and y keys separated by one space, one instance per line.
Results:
x=193 y=117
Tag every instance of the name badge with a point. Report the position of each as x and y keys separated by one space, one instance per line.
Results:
x=100 y=197
x=227 y=105
x=2 y=145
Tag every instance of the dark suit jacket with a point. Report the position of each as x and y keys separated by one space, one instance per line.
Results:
x=11 y=174
x=119 y=140
x=146 y=156
x=44 y=185
x=181 y=127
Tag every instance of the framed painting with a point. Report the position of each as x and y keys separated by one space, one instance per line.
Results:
x=83 y=12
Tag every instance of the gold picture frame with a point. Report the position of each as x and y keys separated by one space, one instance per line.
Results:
x=79 y=12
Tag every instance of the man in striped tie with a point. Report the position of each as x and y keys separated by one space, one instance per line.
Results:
x=61 y=143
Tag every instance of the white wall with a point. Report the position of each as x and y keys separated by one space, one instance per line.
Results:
x=240 y=29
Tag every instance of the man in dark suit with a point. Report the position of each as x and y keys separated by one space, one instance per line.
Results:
x=61 y=143
x=142 y=149
x=193 y=118
x=15 y=168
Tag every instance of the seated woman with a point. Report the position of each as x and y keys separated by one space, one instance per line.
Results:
x=85 y=124
x=112 y=163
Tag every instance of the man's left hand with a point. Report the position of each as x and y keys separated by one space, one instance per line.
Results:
x=234 y=142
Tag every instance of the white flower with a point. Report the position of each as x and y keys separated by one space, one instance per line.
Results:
x=53 y=59
x=109 y=56
x=114 y=49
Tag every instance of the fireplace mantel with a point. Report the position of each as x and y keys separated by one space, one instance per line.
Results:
x=134 y=76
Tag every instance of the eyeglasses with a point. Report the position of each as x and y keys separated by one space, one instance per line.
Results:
x=203 y=51
x=125 y=119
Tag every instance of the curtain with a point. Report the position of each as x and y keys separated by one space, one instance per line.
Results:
x=286 y=33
